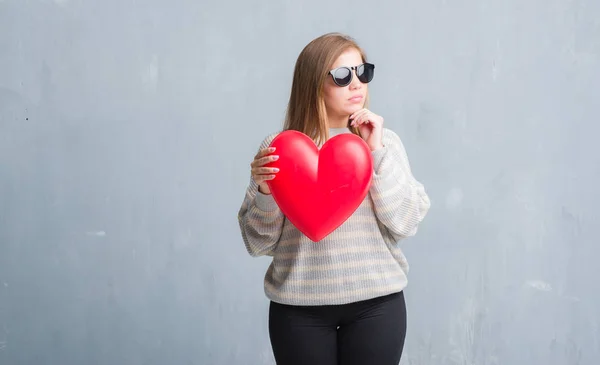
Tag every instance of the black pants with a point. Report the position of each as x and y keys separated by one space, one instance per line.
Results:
x=369 y=332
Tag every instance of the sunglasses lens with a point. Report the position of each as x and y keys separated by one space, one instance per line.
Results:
x=365 y=72
x=342 y=76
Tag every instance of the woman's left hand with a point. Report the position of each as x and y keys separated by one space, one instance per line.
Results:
x=370 y=126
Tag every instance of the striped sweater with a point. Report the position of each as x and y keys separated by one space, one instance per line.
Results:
x=361 y=259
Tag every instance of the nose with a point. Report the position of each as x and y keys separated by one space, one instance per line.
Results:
x=355 y=83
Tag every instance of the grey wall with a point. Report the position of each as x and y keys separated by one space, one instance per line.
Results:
x=127 y=128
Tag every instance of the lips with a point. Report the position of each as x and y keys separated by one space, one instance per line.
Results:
x=356 y=98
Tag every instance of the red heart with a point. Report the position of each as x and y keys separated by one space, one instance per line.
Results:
x=318 y=190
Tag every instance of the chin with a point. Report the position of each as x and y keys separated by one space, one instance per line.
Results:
x=354 y=108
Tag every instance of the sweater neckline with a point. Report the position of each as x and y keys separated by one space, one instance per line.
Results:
x=334 y=131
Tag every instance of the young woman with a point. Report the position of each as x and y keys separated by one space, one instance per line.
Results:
x=340 y=300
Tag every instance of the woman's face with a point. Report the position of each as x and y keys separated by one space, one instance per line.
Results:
x=343 y=101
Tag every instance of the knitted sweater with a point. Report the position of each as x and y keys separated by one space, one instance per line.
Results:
x=361 y=259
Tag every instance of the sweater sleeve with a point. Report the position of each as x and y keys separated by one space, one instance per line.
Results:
x=260 y=219
x=400 y=201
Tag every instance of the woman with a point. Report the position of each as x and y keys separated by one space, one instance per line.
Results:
x=340 y=300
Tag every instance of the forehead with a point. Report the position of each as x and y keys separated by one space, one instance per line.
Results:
x=350 y=57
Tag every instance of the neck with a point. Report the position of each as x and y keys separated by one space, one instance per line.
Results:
x=337 y=122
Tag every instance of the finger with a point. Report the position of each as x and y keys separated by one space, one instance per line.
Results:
x=357 y=114
x=369 y=118
x=264 y=152
x=375 y=120
x=354 y=119
x=262 y=178
x=265 y=170
x=360 y=111
x=360 y=119
x=265 y=160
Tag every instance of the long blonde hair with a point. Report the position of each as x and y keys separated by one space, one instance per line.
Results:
x=306 y=110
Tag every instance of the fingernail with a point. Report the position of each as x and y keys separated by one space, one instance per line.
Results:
x=275 y=169
x=275 y=157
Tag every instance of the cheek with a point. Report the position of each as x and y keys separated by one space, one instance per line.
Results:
x=334 y=97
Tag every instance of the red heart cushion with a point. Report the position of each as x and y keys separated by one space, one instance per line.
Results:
x=318 y=190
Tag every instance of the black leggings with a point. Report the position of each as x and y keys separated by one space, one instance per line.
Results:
x=369 y=332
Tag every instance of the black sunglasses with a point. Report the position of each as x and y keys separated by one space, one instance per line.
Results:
x=342 y=76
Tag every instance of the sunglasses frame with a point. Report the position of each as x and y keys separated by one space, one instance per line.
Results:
x=351 y=69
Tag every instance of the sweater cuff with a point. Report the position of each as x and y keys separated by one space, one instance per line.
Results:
x=378 y=155
x=265 y=202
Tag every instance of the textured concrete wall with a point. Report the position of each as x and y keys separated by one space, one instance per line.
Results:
x=127 y=127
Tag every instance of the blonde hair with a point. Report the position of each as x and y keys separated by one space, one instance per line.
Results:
x=306 y=110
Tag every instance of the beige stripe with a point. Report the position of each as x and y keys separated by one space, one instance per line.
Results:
x=271 y=221
x=330 y=253
x=336 y=266
x=337 y=236
x=393 y=190
x=407 y=203
x=343 y=279
x=332 y=296
x=361 y=216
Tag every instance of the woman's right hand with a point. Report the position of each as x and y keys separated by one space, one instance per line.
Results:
x=262 y=174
